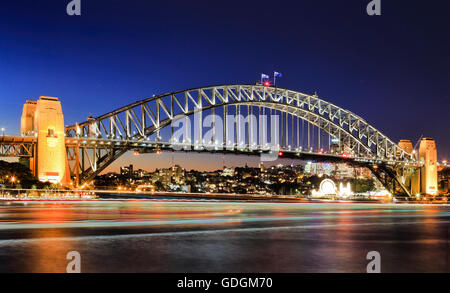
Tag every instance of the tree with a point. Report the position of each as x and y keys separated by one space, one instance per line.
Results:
x=363 y=185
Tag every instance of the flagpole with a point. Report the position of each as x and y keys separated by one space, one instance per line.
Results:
x=274 y=79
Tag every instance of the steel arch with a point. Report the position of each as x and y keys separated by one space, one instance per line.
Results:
x=137 y=121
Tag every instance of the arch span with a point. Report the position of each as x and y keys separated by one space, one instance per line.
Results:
x=138 y=121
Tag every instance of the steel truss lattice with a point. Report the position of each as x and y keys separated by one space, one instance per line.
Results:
x=135 y=123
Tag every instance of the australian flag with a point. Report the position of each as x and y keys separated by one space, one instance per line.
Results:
x=277 y=74
x=264 y=76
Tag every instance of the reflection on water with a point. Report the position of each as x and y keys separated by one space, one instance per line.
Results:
x=220 y=236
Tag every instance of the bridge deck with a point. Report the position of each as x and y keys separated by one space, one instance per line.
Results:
x=17 y=139
x=17 y=146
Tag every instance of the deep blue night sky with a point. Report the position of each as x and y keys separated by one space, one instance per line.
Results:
x=393 y=70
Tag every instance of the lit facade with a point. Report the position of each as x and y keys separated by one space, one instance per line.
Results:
x=409 y=176
x=406 y=145
x=44 y=119
x=428 y=172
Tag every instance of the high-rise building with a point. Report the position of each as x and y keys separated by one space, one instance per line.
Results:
x=127 y=171
x=261 y=167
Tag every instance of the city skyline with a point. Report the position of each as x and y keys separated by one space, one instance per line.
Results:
x=294 y=180
x=191 y=162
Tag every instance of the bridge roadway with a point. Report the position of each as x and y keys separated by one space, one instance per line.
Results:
x=141 y=147
x=90 y=148
x=11 y=146
x=17 y=146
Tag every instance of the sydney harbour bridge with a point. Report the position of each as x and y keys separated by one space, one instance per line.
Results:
x=240 y=119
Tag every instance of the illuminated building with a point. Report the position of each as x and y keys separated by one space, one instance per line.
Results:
x=314 y=168
x=345 y=191
x=261 y=167
x=328 y=188
x=228 y=172
x=343 y=171
x=127 y=171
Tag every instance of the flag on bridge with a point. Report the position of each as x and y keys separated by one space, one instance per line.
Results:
x=264 y=76
x=275 y=75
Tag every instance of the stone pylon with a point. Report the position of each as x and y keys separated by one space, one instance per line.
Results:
x=428 y=171
x=44 y=119
x=421 y=180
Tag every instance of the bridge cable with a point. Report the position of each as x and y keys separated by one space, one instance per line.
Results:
x=213 y=137
x=303 y=133
x=282 y=129
x=249 y=132
x=292 y=131
x=225 y=138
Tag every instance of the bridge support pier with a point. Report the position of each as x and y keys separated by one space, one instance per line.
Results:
x=422 y=179
x=44 y=119
x=428 y=171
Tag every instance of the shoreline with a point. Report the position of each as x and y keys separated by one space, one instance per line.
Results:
x=212 y=198
x=29 y=195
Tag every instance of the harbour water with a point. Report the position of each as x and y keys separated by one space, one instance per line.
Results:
x=186 y=235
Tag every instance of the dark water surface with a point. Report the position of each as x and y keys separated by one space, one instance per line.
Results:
x=221 y=236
